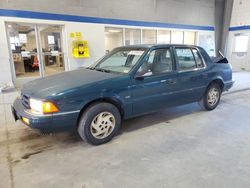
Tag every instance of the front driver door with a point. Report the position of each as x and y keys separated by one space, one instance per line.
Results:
x=155 y=82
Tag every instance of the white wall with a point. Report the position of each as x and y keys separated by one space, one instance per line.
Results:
x=5 y=70
x=94 y=34
x=240 y=17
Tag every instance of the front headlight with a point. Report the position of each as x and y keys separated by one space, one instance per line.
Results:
x=42 y=106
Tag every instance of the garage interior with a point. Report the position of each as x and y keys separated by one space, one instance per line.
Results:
x=180 y=146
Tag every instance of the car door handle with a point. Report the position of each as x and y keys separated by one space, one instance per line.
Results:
x=169 y=81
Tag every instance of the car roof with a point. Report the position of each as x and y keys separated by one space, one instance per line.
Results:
x=157 y=45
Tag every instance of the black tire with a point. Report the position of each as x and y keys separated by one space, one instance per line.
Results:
x=85 y=127
x=205 y=99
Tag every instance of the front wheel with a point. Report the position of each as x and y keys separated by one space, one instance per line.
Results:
x=99 y=123
x=211 y=97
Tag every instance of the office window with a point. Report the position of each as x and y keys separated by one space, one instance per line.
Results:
x=241 y=43
x=132 y=36
x=206 y=41
x=148 y=36
x=177 y=37
x=163 y=37
x=113 y=38
x=189 y=37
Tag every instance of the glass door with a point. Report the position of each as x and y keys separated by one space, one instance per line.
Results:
x=51 y=49
x=36 y=50
x=23 y=49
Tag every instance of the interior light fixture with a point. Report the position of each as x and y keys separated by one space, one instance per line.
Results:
x=114 y=31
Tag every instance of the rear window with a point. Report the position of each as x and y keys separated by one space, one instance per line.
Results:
x=197 y=57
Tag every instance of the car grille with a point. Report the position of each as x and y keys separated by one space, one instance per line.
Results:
x=25 y=100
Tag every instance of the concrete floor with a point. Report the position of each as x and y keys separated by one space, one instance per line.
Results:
x=177 y=147
x=242 y=81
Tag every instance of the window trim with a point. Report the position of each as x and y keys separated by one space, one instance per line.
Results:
x=199 y=56
x=189 y=70
x=173 y=62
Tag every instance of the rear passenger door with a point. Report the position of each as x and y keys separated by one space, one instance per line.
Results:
x=192 y=74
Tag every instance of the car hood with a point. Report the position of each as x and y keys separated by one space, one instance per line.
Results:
x=55 y=84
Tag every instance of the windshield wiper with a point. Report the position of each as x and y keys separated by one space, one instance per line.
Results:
x=99 y=69
x=91 y=68
x=102 y=70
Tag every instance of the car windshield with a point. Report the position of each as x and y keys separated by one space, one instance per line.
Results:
x=120 y=61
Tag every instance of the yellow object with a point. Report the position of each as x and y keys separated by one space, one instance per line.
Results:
x=49 y=107
x=72 y=35
x=78 y=35
x=26 y=120
x=80 y=47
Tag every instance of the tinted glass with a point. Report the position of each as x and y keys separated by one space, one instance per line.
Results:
x=185 y=59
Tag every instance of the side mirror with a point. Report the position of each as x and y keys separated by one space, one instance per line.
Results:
x=139 y=77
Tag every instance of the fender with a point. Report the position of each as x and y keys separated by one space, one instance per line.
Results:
x=218 y=79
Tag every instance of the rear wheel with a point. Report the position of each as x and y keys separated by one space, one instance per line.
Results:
x=211 y=97
x=99 y=123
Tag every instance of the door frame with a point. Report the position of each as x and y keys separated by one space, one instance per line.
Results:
x=162 y=80
x=20 y=81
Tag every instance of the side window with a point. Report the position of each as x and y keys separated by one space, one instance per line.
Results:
x=151 y=57
x=157 y=62
x=185 y=59
x=198 y=59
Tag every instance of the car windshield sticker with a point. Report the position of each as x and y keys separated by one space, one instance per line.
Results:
x=136 y=52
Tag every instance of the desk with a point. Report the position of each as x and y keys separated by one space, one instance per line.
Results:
x=18 y=63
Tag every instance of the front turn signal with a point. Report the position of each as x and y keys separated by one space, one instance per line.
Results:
x=49 y=107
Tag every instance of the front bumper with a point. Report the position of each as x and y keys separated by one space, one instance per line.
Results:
x=44 y=122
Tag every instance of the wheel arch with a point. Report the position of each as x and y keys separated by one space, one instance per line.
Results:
x=113 y=101
x=218 y=81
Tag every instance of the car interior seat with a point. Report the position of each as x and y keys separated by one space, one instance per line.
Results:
x=162 y=64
